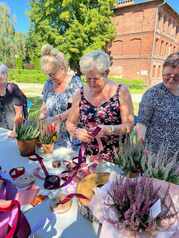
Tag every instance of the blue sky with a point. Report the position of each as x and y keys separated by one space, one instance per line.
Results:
x=20 y=7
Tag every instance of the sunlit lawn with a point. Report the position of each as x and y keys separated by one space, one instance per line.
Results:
x=32 y=81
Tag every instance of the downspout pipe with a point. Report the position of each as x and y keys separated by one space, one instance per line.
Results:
x=153 y=44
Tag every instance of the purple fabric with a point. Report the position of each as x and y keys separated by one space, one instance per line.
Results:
x=8 y=218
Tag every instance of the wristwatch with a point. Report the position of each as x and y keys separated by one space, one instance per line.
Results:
x=112 y=129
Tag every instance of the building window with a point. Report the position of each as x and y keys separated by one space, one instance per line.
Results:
x=161 y=48
x=170 y=49
x=160 y=22
x=174 y=49
x=166 y=49
x=135 y=46
x=165 y=24
x=157 y=42
x=116 y=48
x=159 y=71
x=153 y=71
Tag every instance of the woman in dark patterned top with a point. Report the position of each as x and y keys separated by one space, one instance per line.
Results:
x=58 y=91
x=159 y=112
x=13 y=103
x=100 y=103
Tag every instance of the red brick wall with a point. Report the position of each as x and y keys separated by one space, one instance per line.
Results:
x=144 y=39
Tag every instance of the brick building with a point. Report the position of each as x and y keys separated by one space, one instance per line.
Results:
x=146 y=33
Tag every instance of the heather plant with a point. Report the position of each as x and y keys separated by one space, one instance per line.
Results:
x=130 y=154
x=161 y=166
x=132 y=199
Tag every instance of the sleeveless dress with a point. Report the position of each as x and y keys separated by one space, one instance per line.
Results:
x=108 y=113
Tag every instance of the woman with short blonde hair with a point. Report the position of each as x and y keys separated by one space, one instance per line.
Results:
x=58 y=89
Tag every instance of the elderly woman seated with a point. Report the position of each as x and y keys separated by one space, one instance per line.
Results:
x=100 y=103
x=13 y=103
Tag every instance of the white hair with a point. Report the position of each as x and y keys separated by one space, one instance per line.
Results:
x=3 y=70
x=52 y=59
x=97 y=59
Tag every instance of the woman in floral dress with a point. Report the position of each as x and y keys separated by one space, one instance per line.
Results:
x=100 y=103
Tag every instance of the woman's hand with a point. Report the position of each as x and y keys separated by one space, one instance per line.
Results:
x=12 y=134
x=105 y=130
x=43 y=112
x=141 y=131
x=83 y=135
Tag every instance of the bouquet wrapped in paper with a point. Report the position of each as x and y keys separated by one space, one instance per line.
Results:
x=133 y=208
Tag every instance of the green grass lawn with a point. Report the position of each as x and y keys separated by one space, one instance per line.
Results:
x=36 y=76
x=34 y=80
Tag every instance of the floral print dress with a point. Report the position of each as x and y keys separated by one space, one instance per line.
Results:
x=108 y=113
x=58 y=103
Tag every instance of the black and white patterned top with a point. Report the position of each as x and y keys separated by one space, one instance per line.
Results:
x=159 y=112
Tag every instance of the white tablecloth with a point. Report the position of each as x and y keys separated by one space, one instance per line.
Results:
x=68 y=225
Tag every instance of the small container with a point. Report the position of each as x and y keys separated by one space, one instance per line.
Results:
x=48 y=148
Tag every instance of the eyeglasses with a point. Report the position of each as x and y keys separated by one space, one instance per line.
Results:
x=174 y=76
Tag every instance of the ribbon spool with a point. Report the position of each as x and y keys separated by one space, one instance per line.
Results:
x=16 y=172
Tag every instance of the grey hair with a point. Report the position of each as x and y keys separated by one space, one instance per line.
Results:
x=97 y=59
x=52 y=59
x=3 y=70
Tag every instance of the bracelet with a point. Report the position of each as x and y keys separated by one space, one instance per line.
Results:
x=112 y=129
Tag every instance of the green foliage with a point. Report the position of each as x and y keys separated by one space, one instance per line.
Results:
x=74 y=27
x=27 y=131
x=12 y=44
x=7 y=33
x=130 y=154
x=161 y=167
x=26 y=76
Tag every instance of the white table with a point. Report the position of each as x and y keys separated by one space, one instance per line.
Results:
x=68 y=225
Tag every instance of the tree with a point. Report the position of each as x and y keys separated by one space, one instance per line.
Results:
x=74 y=27
x=7 y=32
x=12 y=44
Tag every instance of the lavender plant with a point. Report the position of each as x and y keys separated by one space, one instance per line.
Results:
x=132 y=199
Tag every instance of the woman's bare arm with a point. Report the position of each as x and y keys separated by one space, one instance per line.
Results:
x=72 y=121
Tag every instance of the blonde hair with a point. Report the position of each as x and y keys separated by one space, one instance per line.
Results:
x=97 y=59
x=52 y=60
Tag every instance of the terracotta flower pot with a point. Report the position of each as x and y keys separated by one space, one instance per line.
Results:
x=26 y=147
x=48 y=148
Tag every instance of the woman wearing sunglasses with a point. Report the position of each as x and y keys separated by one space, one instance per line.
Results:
x=58 y=90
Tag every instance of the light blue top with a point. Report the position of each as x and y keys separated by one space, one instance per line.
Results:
x=57 y=103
